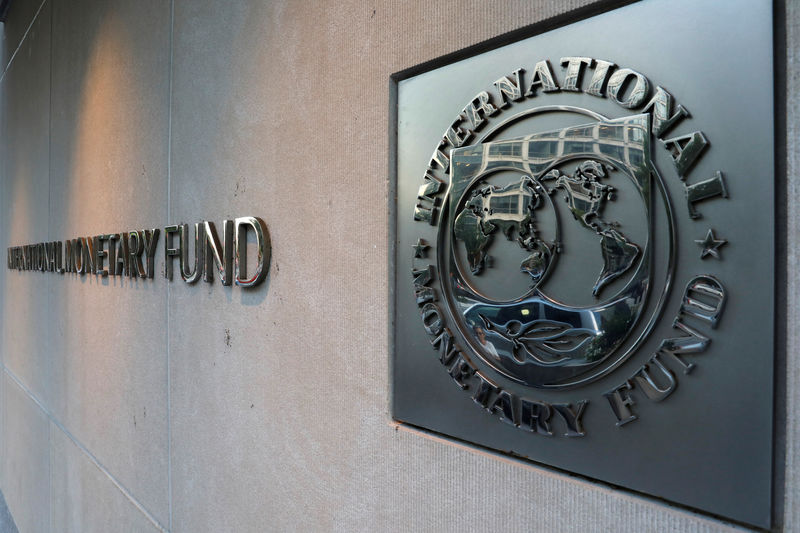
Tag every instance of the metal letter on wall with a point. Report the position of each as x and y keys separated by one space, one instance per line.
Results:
x=584 y=252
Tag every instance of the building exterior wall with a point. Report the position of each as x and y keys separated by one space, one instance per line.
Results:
x=162 y=406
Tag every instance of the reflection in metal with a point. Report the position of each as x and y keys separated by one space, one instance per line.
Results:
x=123 y=257
x=533 y=338
x=703 y=190
x=77 y=256
x=508 y=209
x=219 y=252
x=135 y=251
x=710 y=245
x=619 y=82
x=601 y=69
x=704 y=298
x=192 y=274
x=150 y=245
x=262 y=255
x=586 y=196
x=89 y=254
x=536 y=111
x=572 y=78
x=100 y=254
x=169 y=250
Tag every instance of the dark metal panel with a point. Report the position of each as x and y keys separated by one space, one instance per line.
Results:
x=583 y=268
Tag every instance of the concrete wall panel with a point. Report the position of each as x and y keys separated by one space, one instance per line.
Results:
x=279 y=398
x=26 y=460
x=25 y=210
x=210 y=408
x=109 y=168
x=792 y=479
x=19 y=17
x=84 y=498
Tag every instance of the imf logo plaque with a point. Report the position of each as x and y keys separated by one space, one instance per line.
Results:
x=571 y=247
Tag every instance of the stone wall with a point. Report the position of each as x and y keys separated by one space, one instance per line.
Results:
x=159 y=406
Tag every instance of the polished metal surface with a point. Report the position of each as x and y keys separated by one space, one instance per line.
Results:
x=583 y=255
x=133 y=254
x=101 y=254
x=535 y=338
x=263 y=251
x=192 y=273
x=219 y=252
x=710 y=245
x=170 y=251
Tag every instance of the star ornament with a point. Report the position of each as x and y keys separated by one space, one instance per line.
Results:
x=710 y=245
x=420 y=249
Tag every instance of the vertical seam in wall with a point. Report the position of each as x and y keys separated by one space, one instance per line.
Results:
x=169 y=206
x=50 y=443
x=50 y=476
x=24 y=36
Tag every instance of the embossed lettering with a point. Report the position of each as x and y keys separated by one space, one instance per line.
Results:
x=599 y=77
x=621 y=402
x=77 y=256
x=431 y=319
x=685 y=150
x=50 y=256
x=542 y=77
x=150 y=244
x=100 y=254
x=70 y=258
x=193 y=274
x=461 y=371
x=59 y=257
x=704 y=299
x=572 y=417
x=439 y=157
x=644 y=378
x=677 y=346
x=135 y=250
x=87 y=247
x=703 y=190
x=447 y=349
x=620 y=80
x=503 y=406
x=457 y=135
x=660 y=106
x=484 y=391
x=510 y=90
x=219 y=252
x=122 y=265
x=169 y=252
x=263 y=251
x=535 y=416
x=422 y=292
x=427 y=207
x=480 y=105
x=572 y=78
x=112 y=253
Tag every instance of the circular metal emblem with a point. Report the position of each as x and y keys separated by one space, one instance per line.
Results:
x=547 y=246
x=521 y=216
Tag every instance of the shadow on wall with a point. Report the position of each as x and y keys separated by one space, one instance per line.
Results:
x=6 y=521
